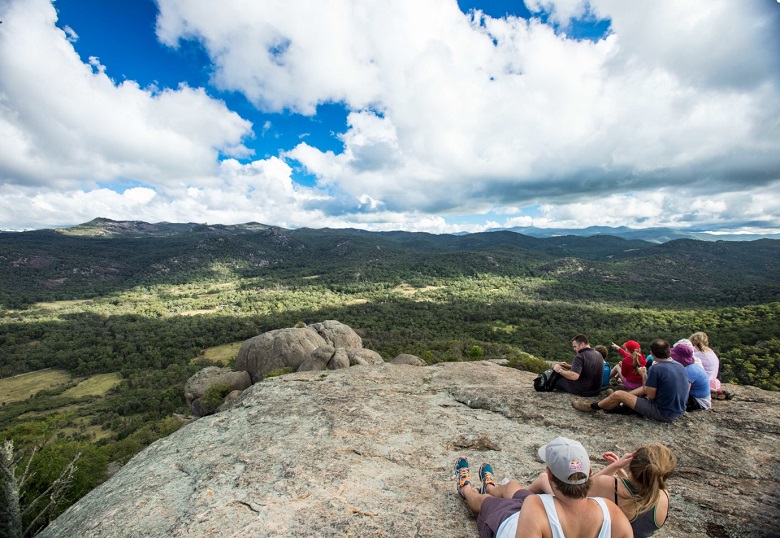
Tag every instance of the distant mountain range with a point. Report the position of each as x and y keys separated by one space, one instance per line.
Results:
x=104 y=255
x=107 y=228
x=654 y=235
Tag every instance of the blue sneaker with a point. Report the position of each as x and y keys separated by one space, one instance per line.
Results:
x=486 y=476
x=462 y=474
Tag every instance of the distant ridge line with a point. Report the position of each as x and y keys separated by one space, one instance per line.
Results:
x=105 y=227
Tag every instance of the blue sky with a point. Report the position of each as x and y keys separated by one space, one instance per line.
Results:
x=425 y=115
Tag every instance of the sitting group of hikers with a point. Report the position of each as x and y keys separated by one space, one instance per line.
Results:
x=661 y=386
x=627 y=498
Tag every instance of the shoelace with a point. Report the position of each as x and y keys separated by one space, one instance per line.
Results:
x=463 y=476
x=488 y=478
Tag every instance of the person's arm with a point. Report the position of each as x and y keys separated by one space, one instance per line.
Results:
x=533 y=522
x=650 y=385
x=642 y=370
x=616 y=464
x=561 y=370
x=620 y=527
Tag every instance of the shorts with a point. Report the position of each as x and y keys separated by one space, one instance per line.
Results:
x=496 y=509
x=649 y=409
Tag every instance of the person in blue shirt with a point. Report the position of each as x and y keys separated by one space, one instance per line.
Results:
x=699 y=398
x=663 y=395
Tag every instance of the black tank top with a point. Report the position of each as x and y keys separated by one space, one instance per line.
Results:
x=644 y=524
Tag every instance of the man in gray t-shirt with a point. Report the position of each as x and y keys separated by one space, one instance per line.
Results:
x=584 y=375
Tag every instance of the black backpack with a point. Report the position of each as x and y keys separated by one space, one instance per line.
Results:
x=545 y=382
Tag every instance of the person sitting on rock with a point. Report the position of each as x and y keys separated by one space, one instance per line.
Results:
x=637 y=483
x=627 y=371
x=702 y=353
x=699 y=397
x=662 y=397
x=586 y=372
x=509 y=510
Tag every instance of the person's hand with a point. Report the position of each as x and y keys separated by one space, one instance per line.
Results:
x=615 y=346
x=565 y=365
x=642 y=370
x=623 y=462
x=611 y=457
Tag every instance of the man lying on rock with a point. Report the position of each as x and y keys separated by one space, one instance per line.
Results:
x=663 y=395
x=509 y=510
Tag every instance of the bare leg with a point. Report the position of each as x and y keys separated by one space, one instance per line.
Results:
x=475 y=499
x=618 y=397
x=541 y=485
x=505 y=491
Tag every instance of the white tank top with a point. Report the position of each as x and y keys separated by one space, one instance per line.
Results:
x=555 y=524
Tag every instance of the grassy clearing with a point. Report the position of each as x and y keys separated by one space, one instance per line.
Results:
x=21 y=387
x=82 y=427
x=200 y=312
x=408 y=290
x=221 y=355
x=97 y=385
x=58 y=305
x=65 y=410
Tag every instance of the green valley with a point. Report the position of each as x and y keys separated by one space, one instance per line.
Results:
x=125 y=312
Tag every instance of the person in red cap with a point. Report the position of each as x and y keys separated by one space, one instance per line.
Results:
x=628 y=369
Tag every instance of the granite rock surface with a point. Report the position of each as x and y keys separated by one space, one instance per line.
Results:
x=369 y=451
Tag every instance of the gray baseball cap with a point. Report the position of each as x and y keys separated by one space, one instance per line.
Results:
x=564 y=457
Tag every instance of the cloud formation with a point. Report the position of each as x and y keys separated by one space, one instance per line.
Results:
x=66 y=124
x=663 y=121
x=455 y=113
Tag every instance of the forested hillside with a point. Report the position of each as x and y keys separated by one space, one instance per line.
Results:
x=149 y=303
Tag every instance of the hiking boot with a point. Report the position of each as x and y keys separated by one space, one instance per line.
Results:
x=462 y=474
x=582 y=405
x=486 y=476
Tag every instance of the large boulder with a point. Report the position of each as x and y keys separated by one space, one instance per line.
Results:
x=406 y=358
x=337 y=334
x=197 y=385
x=363 y=356
x=339 y=360
x=282 y=348
x=318 y=359
x=369 y=452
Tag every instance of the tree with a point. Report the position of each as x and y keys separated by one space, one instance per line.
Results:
x=13 y=488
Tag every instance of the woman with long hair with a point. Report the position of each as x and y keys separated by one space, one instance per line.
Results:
x=637 y=484
x=709 y=360
x=627 y=370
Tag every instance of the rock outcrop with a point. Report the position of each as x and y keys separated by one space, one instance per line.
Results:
x=368 y=451
x=199 y=383
x=337 y=334
x=329 y=345
x=410 y=360
x=282 y=348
